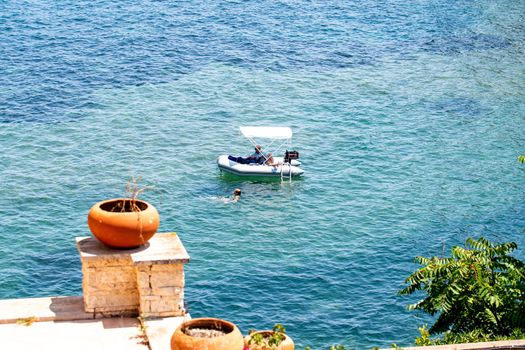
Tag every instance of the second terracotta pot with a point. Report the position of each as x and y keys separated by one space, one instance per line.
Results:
x=231 y=340
x=286 y=344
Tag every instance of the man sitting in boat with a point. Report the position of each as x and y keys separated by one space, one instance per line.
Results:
x=256 y=158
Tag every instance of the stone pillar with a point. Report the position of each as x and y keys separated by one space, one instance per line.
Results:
x=148 y=280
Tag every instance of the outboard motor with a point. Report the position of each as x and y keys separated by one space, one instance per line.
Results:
x=289 y=155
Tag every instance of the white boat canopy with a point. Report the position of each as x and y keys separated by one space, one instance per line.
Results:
x=267 y=132
x=269 y=135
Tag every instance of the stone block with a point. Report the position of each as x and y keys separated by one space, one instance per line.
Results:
x=143 y=279
x=108 y=261
x=111 y=301
x=169 y=268
x=149 y=297
x=173 y=306
x=123 y=287
x=110 y=274
x=163 y=279
x=160 y=292
x=166 y=291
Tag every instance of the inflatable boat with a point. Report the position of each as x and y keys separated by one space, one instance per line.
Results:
x=287 y=166
x=281 y=169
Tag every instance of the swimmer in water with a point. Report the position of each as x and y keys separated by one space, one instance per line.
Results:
x=236 y=195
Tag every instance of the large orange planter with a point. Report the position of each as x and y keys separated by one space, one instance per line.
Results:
x=286 y=344
x=232 y=340
x=123 y=229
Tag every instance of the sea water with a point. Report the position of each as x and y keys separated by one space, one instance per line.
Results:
x=408 y=116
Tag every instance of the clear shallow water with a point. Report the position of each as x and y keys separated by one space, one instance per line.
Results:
x=407 y=116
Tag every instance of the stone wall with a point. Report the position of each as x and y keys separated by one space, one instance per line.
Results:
x=148 y=281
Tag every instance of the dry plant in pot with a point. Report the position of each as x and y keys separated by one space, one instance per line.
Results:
x=124 y=223
x=208 y=334
x=275 y=339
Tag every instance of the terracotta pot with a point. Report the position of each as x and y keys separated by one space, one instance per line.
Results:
x=123 y=229
x=286 y=344
x=232 y=340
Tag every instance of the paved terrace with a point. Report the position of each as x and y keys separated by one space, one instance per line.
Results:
x=62 y=323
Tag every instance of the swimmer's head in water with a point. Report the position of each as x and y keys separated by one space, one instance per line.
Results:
x=237 y=192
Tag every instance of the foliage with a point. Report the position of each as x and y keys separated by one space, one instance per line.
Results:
x=481 y=288
x=142 y=337
x=267 y=340
x=478 y=336
x=133 y=190
x=475 y=336
x=27 y=321
x=424 y=340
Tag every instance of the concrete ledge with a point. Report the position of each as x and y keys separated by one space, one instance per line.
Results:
x=43 y=309
x=101 y=334
x=61 y=323
x=160 y=330
x=496 y=345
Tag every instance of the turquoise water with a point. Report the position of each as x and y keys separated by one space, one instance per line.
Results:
x=408 y=118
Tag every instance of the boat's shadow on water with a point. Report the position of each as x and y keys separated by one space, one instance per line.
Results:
x=228 y=178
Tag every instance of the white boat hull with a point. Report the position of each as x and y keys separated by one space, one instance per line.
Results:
x=232 y=167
